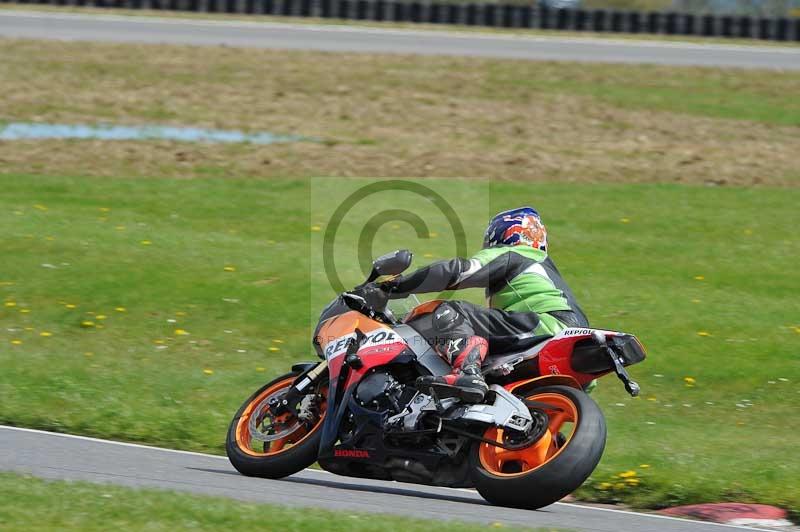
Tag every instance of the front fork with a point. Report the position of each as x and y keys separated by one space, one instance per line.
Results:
x=287 y=404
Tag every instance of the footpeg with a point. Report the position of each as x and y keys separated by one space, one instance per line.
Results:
x=631 y=386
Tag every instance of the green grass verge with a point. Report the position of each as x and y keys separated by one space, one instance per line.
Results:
x=197 y=291
x=32 y=504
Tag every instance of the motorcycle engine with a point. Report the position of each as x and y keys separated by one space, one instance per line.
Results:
x=381 y=391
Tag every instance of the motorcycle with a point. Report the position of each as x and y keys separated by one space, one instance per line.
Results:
x=535 y=438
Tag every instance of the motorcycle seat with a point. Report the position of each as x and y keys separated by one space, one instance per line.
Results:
x=522 y=350
x=508 y=345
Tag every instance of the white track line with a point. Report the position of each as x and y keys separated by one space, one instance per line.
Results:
x=600 y=41
x=205 y=455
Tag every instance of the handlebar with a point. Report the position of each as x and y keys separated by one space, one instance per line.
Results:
x=360 y=304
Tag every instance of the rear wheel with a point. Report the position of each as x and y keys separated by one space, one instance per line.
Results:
x=571 y=443
x=264 y=445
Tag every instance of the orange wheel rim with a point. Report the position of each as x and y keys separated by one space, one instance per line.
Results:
x=510 y=463
x=244 y=439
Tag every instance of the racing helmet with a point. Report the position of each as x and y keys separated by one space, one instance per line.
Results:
x=516 y=227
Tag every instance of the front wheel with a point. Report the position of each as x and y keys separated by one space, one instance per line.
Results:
x=571 y=442
x=260 y=444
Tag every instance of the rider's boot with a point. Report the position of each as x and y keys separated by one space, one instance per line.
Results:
x=466 y=381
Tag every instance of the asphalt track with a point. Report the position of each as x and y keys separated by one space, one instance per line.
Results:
x=333 y=38
x=64 y=457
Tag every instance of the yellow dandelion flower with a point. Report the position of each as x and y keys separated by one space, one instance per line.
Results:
x=121 y=309
x=644 y=466
x=145 y=242
x=260 y=369
x=632 y=481
x=104 y=209
x=46 y=334
x=24 y=311
x=699 y=278
x=652 y=399
x=690 y=381
x=71 y=306
x=180 y=314
x=88 y=354
x=40 y=207
x=316 y=228
x=696 y=301
x=627 y=474
x=16 y=342
x=428 y=255
x=274 y=349
x=619 y=486
x=229 y=268
x=159 y=342
x=87 y=324
x=181 y=332
x=604 y=485
x=11 y=304
x=101 y=317
x=433 y=234
x=29 y=329
x=625 y=220
x=703 y=333
x=208 y=371
x=277 y=341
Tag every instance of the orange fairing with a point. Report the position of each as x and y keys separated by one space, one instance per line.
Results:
x=424 y=308
x=344 y=324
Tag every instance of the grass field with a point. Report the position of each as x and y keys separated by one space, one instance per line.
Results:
x=147 y=287
x=31 y=504
x=403 y=116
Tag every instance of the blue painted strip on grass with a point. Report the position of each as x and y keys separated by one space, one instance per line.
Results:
x=22 y=131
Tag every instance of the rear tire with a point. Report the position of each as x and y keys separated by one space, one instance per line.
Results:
x=278 y=464
x=564 y=469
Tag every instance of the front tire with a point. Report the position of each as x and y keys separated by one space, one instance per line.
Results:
x=553 y=466
x=296 y=444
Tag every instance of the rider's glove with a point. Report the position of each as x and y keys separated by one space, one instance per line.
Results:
x=390 y=285
x=375 y=296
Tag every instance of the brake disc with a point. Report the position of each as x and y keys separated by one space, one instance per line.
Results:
x=276 y=429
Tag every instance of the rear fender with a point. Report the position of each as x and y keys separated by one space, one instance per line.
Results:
x=302 y=367
x=523 y=387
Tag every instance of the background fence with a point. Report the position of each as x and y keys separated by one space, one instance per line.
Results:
x=477 y=14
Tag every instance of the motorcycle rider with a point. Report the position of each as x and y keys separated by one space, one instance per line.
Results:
x=527 y=297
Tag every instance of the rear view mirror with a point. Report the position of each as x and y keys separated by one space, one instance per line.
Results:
x=393 y=263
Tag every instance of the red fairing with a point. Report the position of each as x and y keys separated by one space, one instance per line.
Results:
x=373 y=356
x=554 y=358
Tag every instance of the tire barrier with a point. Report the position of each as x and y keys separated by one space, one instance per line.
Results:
x=477 y=14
